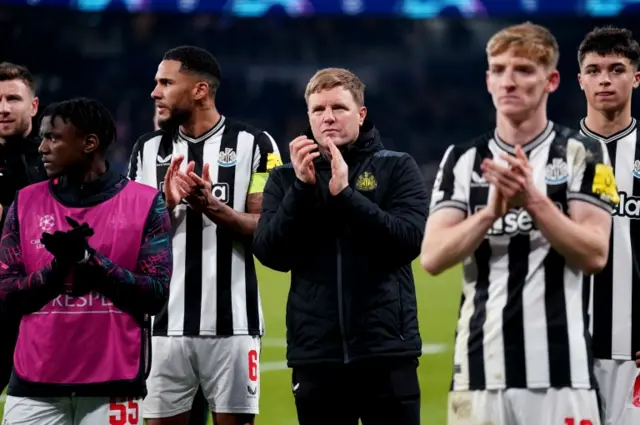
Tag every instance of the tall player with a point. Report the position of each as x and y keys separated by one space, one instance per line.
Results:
x=212 y=170
x=526 y=209
x=608 y=59
x=199 y=413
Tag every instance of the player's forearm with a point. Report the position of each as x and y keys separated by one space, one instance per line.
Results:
x=240 y=223
x=19 y=290
x=146 y=289
x=581 y=245
x=446 y=247
x=29 y=292
x=136 y=293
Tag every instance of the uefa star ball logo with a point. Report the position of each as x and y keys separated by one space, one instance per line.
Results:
x=47 y=222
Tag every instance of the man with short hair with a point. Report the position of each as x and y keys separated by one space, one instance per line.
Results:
x=20 y=165
x=212 y=170
x=346 y=217
x=527 y=209
x=608 y=58
x=85 y=258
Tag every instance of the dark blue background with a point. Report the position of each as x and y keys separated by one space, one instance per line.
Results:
x=406 y=8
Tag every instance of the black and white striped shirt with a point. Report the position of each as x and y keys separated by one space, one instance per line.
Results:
x=214 y=289
x=523 y=315
x=615 y=301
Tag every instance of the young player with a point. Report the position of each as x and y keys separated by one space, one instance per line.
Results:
x=608 y=59
x=526 y=209
x=85 y=259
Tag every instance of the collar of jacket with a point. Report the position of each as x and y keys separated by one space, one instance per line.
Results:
x=368 y=142
x=83 y=188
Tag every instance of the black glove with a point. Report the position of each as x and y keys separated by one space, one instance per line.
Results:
x=71 y=247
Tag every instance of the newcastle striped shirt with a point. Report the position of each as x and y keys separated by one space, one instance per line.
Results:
x=214 y=289
x=523 y=315
x=615 y=301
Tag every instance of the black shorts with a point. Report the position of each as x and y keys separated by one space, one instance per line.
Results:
x=380 y=392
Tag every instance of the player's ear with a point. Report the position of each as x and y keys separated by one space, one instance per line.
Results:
x=201 y=90
x=636 y=80
x=35 y=103
x=363 y=114
x=580 y=81
x=553 y=81
x=91 y=143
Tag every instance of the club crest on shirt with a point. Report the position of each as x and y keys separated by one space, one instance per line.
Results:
x=636 y=169
x=366 y=182
x=227 y=158
x=557 y=172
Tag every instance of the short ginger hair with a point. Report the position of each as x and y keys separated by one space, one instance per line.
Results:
x=527 y=40
x=329 y=78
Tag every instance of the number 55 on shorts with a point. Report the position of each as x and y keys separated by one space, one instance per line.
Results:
x=124 y=412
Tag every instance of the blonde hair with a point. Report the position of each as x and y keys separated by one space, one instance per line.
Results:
x=527 y=40
x=329 y=78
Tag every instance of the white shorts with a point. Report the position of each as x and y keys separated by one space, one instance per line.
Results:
x=619 y=384
x=227 y=369
x=71 y=411
x=563 y=406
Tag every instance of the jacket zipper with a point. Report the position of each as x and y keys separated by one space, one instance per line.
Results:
x=147 y=346
x=343 y=333
x=401 y=315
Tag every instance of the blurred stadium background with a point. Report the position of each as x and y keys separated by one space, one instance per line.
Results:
x=422 y=60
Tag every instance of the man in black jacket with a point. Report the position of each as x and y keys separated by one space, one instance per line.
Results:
x=20 y=166
x=346 y=217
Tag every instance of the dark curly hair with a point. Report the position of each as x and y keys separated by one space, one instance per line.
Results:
x=610 y=41
x=88 y=116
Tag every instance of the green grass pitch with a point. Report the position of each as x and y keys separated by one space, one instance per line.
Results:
x=438 y=300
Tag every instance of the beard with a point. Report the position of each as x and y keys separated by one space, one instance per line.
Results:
x=18 y=131
x=177 y=117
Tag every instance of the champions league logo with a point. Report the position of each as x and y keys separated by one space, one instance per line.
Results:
x=47 y=222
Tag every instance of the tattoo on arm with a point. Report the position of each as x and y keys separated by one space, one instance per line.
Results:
x=254 y=203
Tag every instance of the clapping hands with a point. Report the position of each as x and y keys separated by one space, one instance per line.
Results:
x=304 y=151
x=513 y=183
x=70 y=247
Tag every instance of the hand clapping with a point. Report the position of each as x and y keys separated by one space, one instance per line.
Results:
x=68 y=247
x=515 y=182
x=195 y=190
x=339 y=169
x=303 y=152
